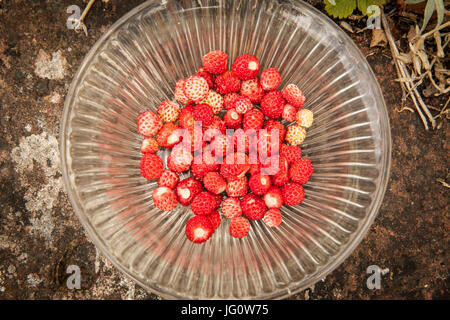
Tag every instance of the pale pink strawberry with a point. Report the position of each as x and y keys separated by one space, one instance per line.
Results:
x=304 y=118
x=273 y=198
x=214 y=100
x=179 y=159
x=295 y=135
x=221 y=145
x=196 y=88
x=289 y=113
x=293 y=95
x=149 y=145
x=179 y=92
x=270 y=79
x=231 y=207
x=253 y=90
x=148 y=123
x=168 y=111
x=243 y=104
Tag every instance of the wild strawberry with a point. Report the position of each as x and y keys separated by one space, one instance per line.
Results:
x=243 y=104
x=243 y=141
x=233 y=120
x=168 y=179
x=214 y=218
x=199 y=168
x=199 y=229
x=203 y=203
x=301 y=170
x=148 y=123
x=234 y=166
x=293 y=95
x=179 y=92
x=246 y=67
x=151 y=166
x=221 y=146
x=230 y=99
x=272 y=104
x=273 y=198
x=187 y=189
x=293 y=193
x=253 y=207
x=227 y=82
x=238 y=187
x=179 y=159
x=204 y=114
x=271 y=124
x=289 y=113
x=193 y=139
x=280 y=174
x=186 y=117
x=218 y=200
x=270 y=79
x=215 y=101
x=259 y=184
x=295 y=135
x=304 y=118
x=291 y=153
x=253 y=90
x=149 y=145
x=164 y=198
x=209 y=160
x=169 y=135
x=168 y=111
x=217 y=127
x=231 y=208
x=196 y=88
x=215 y=62
x=268 y=142
x=253 y=119
x=272 y=218
x=214 y=182
x=255 y=168
x=207 y=76
x=239 y=227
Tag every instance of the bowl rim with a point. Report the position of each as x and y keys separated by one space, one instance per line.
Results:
x=292 y=288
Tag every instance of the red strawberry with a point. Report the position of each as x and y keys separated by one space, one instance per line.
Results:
x=149 y=145
x=196 y=88
x=207 y=76
x=168 y=179
x=255 y=169
x=217 y=127
x=293 y=193
x=234 y=166
x=270 y=79
x=187 y=189
x=253 y=207
x=169 y=135
x=289 y=113
x=253 y=90
x=242 y=141
x=246 y=67
x=151 y=166
x=277 y=168
x=199 y=168
x=293 y=95
x=203 y=203
x=231 y=208
x=164 y=198
x=186 y=117
x=268 y=142
x=214 y=182
x=215 y=101
x=168 y=111
x=239 y=227
x=148 y=123
x=179 y=92
x=221 y=146
x=243 y=104
x=253 y=119
x=179 y=159
x=218 y=198
x=272 y=218
x=276 y=125
x=272 y=104
x=199 y=229
x=209 y=160
x=291 y=153
x=259 y=183
x=227 y=82
x=273 y=198
x=230 y=99
x=214 y=218
x=193 y=139
x=204 y=114
x=233 y=120
x=238 y=187
x=301 y=170
x=215 y=62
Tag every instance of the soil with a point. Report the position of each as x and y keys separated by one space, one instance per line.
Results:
x=40 y=234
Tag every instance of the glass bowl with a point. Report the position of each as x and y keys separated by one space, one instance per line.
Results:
x=135 y=65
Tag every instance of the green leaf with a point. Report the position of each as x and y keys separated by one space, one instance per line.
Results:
x=340 y=8
x=429 y=9
x=440 y=11
x=364 y=4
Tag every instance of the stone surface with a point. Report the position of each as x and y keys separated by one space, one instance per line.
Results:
x=40 y=235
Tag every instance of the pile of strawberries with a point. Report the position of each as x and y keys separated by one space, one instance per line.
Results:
x=248 y=172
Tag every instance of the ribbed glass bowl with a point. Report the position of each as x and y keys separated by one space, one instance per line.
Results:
x=135 y=65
